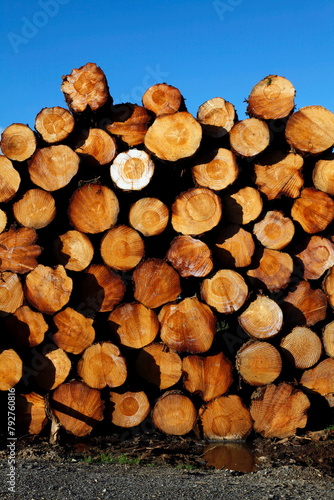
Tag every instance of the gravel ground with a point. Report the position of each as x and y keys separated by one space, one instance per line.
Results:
x=39 y=480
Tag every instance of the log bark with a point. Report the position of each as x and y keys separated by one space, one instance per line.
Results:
x=96 y=147
x=93 y=209
x=226 y=291
x=314 y=210
x=218 y=171
x=47 y=289
x=78 y=407
x=304 y=306
x=278 y=411
x=190 y=256
x=159 y=365
x=149 y=216
x=274 y=270
x=73 y=250
x=225 y=418
x=233 y=246
x=134 y=325
x=128 y=409
x=242 y=206
x=209 y=376
x=132 y=170
x=274 y=231
x=328 y=339
x=26 y=327
x=11 y=367
x=272 y=98
x=323 y=176
x=18 y=251
x=36 y=209
x=54 y=369
x=262 y=319
x=174 y=414
x=102 y=365
x=30 y=413
x=173 y=137
x=302 y=347
x=317 y=257
x=74 y=332
x=258 y=363
x=130 y=123
x=18 y=142
x=310 y=129
x=196 y=211
x=101 y=290
x=54 y=124
x=10 y=180
x=156 y=283
x=249 y=137
x=320 y=379
x=122 y=248
x=216 y=116
x=279 y=174
x=187 y=326
x=11 y=292
x=86 y=87
x=162 y=99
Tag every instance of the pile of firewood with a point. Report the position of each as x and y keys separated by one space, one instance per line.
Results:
x=157 y=265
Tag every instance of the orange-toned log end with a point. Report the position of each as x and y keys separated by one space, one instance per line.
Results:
x=188 y=326
x=258 y=363
x=30 y=413
x=18 y=142
x=18 y=251
x=320 y=379
x=149 y=216
x=130 y=123
x=242 y=206
x=210 y=376
x=26 y=327
x=190 y=256
x=102 y=365
x=53 y=167
x=233 y=246
x=174 y=414
x=74 y=332
x=11 y=369
x=323 y=174
x=162 y=99
x=249 y=137
x=311 y=129
x=262 y=319
x=218 y=171
x=196 y=211
x=122 y=248
x=11 y=292
x=134 y=325
x=274 y=231
x=101 y=290
x=47 y=289
x=93 y=209
x=159 y=365
x=54 y=124
x=96 y=147
x=278 y=411
x=132 y=170
x=328 y=286
x=226 y=291
x=274 y=270
x=225 y=418
x=216 y=116
x=301 y=347
x=85 y=87
x=314 y=210
x=272 y=98
x=55 y=367
x=316 y=257
x=128 y=409
x=73 y=250
x=304 y=305
x=173 y=137
x=3 y=220
x=279 y=174
x=328 y=339
x=36 y=209
x=9 y=180
x=78 y=407
x=156 y=283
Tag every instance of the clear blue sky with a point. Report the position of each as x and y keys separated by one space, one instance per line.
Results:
x=206 y=48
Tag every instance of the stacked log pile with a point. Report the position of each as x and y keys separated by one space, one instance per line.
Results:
x=159 y=266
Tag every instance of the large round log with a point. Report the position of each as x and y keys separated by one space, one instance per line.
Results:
x=159 y=365
x=174 y=413
x=272 y=98
x=18 y=142
x=128 y=409
x=54 y=124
